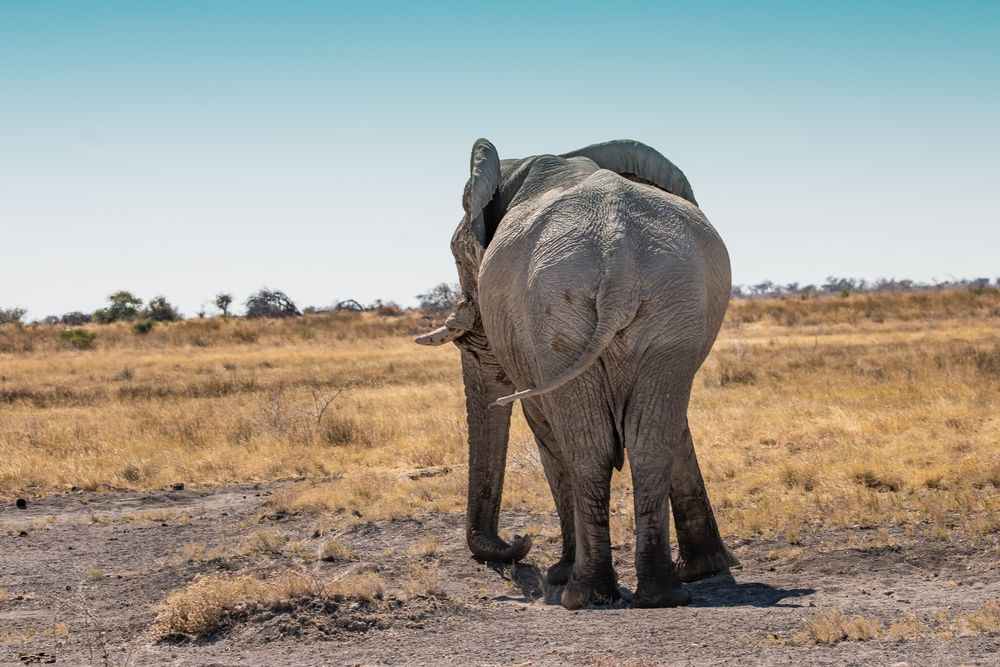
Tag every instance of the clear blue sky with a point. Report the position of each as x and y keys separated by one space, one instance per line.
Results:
x=185 y=148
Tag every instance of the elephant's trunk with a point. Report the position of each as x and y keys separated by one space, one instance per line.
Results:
x=489 y=429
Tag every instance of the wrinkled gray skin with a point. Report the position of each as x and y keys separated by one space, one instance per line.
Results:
x=594 y=288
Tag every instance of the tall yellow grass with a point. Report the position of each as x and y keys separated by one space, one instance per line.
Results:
x=837 y=411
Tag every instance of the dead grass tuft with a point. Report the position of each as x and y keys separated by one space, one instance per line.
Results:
x=834 y=627
x=210 y=603
x=423 y=579
x=336 y=552
x=265 y=541
x=426 y=547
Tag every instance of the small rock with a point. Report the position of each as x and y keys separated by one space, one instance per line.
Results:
x=177 y=486
x=21 y=503
x=23 y=533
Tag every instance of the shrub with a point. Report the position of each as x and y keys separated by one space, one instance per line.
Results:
x=271 y=303
x=160 y=310
x=387 y=309
x=77 y=339
x=11 y=315
x=736 y=372
x=74 y=319
x=440 y=298
x=143 y=327
x=122 y=305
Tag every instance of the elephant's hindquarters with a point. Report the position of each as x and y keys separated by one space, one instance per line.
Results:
x=609 y=250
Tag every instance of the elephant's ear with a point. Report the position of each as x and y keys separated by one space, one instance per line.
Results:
x=639 y=162
x=482 y=194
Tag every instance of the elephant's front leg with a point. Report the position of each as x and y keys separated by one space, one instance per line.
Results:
x=702 y=551
x=558 y=475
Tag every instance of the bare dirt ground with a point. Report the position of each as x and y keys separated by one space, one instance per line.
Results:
x=82 y=575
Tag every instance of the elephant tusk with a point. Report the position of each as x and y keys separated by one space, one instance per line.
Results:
x=439 y=336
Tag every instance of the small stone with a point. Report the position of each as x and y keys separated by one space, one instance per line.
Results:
x=177 y=486
x=21 y=503
x=23 y=533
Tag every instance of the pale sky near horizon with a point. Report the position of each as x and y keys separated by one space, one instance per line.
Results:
x=187 y=148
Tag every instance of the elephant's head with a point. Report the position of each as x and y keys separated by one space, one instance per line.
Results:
x=491 y=188
x=484 y=380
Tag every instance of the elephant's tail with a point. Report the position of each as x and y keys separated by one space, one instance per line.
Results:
x=616 y=305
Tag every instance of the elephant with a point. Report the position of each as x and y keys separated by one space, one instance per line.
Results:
x=593 y=287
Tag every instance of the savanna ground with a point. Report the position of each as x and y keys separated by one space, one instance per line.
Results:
x=851 y=447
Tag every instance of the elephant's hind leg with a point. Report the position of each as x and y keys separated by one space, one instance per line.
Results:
x=558 y=475
x=702 y=551
x=654 y=432
x=585 y=429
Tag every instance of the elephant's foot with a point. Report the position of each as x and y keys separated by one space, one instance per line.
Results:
x=648 y=595
x=580 y=593
x=702 y=564
x=559 y=574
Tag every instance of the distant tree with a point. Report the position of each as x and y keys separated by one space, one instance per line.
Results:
x=349 y=304
x=843 y=285
x=271 y=303
x=160 y=310
x=74 y=319
x=223 y=301
x=11 y=315
x=122 y=305
x=386 y=308
x=440 y=298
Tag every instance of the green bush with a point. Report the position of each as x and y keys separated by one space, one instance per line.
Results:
x=122 y=305
x=160 y=310
x=143 y=327
x=78 y=339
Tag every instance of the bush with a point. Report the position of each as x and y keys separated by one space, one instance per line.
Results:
x=11 y=315
x=122 y=305
x=160 y=310
x=440 y=298
x=387 y=308
x=271 y=303
x=74 y=319
x=143 y=327
x=77 y=339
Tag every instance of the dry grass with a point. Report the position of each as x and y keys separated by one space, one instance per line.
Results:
x=210 y=603
x=865 y=410
x=425 y=547
x=334 y=551
x=423 y=579
x=834 y=627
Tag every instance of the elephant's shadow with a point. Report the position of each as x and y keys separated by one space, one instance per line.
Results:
x=722 y=590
